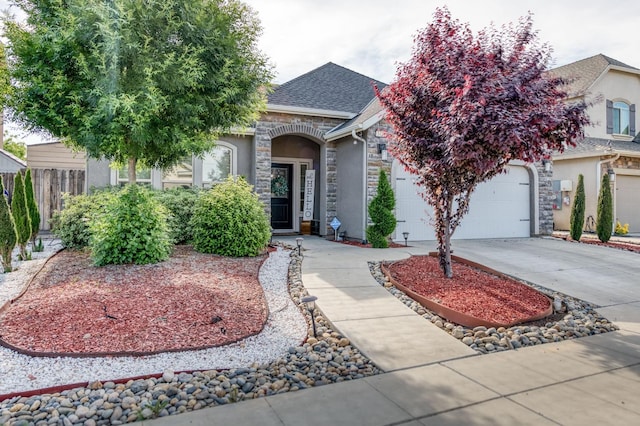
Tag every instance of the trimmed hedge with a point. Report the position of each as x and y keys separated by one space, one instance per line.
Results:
x=577 y=210
x=133 y=229
x=381 y=214
x=230 y=220
x=20 y=212
x=604 y=220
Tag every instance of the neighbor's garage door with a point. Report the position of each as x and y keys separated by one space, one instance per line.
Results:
x=628 y=201
x=499 y=208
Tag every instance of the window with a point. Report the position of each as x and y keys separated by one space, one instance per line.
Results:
x=219 y=163
x=181 y=175
x=621 y=118
x=143 y=175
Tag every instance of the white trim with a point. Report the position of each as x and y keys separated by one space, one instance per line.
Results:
x=287 y=109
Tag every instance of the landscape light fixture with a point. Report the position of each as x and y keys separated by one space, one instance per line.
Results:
x=299 y=243
x=310 y=301
x=405 y=234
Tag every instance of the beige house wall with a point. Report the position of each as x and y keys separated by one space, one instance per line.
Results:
x=615 y=86
x=54 y=156
x=569 y=170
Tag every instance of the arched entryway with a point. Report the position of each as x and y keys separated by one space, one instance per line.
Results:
x=294 y=152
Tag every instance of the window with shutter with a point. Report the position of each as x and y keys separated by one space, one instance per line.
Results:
x=632 y=119
x=621 y=118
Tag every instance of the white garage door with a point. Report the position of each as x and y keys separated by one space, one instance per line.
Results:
x=628 y=201
x=499 y=208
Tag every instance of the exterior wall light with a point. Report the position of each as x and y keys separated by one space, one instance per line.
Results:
x=310 y=301
x=612 y=175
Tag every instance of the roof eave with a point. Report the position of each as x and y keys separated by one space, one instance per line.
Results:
x=288 y=109
x=334 y=135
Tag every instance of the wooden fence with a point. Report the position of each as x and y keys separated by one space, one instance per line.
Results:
x=48 y=186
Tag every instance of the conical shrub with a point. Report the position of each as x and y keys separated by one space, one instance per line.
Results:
x=21 y=217
x=577 y=210
x=8 y=237
x=604 y=221
x=381 y=214
x=34 y=213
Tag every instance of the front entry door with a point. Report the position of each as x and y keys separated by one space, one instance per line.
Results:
x=282 y=196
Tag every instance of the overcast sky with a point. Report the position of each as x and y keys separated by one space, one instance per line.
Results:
x=373 y=36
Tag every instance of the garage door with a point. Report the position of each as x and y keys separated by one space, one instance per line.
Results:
x=628 y=201
x=499 y=208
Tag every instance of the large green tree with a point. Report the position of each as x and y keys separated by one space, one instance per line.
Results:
x=131 y=80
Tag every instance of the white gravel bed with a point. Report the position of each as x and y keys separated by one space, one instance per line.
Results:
x=286 y=327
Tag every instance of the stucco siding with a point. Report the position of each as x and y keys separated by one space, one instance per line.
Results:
x=350 y=197
x=617 y=86
x=54 y=156
x=569 y=170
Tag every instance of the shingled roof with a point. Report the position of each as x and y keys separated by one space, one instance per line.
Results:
x=583 y=73
x=592 y=147
x=329 y=87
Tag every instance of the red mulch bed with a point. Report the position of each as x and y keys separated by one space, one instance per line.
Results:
x=190 y=301
x=613 y=244
x=471 y=291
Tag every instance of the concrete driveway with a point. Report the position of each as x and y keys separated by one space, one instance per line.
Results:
x=607 y=277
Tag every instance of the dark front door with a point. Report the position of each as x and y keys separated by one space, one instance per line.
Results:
x=281 y=196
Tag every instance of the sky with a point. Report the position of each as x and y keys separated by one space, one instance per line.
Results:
x=373 y=36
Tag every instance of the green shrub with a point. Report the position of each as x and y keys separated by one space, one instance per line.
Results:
x=132 y=229
x=71 y=224
x=230 y=220
x=381 y=214
x=604 y=220
x=20 y=213
x=577 y=211
x=34 y=213
x=8 y=236
x=180 y=203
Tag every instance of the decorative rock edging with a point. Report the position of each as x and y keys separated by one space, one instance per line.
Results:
x=329 y=358
x=579 y=320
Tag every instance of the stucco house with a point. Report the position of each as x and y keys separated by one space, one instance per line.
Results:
x=327 y=126
x=611 y=145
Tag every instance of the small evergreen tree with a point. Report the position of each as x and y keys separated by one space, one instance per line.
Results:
x=577 y=210
x=21 y=217
x=32 y=206
x=8 y=236
x=381 y=214
x=604 y=220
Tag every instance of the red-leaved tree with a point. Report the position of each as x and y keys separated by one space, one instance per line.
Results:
x=464 y=106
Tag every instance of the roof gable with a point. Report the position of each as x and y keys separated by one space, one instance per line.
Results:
x=583 y=73
x=329 y=87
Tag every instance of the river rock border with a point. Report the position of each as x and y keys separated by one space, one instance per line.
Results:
x=328 y=358
x=578 y=319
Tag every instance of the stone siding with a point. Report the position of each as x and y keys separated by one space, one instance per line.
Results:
x=545 y=199
x=272 y=125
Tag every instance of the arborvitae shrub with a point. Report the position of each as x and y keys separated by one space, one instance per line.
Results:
x=604 y=220
x=71 y=224
x=180 y=202
x=8 y=237
x=230 y=220
x=577 y=210
x=34 y=213
x=20 y=212
x=132 y=229
x=381 y=214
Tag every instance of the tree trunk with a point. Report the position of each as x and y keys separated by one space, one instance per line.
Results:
x=445 y=255
x=132 y=170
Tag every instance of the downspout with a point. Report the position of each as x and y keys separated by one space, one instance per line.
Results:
x=598 y=171
x=357 y=138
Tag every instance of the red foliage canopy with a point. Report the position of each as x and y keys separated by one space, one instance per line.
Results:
x=465 y=105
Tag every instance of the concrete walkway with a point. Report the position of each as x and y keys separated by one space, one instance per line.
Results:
x=434 y=379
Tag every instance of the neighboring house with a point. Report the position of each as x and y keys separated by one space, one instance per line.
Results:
x=611 y=146
x=321 y=121
x=9 y=163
